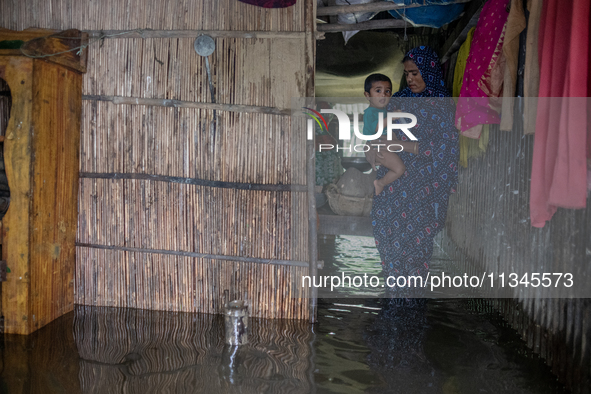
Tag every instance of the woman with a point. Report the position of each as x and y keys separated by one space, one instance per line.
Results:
x=408 y=214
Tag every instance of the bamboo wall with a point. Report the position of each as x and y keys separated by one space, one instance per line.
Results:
x=168 y=204
x=489 y=228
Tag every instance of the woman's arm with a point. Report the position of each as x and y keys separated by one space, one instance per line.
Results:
x=407 y=146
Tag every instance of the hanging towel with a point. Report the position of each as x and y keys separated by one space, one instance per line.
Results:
x=515 y=25
x=559 y=167
x=270 y=3
x=483 y=78
x=531 y=82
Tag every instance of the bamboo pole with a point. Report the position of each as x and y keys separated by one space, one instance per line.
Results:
x=368 y=25
x=310 y=161
x=193 y=181
x=371 y=7
x=150 y=33
x=194 y=254
x=120 y=100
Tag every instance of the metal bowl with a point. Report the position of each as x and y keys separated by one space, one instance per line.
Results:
x=355 y=162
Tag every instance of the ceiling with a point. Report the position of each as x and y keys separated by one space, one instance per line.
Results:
x=341 y=69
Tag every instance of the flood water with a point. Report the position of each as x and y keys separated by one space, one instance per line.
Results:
x=366 y=345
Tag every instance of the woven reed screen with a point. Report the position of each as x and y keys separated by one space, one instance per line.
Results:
x=162 y=224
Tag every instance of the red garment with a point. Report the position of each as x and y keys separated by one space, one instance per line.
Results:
x=559 y=167
x=270 y=3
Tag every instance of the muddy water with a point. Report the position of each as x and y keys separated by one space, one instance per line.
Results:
x=358 y=346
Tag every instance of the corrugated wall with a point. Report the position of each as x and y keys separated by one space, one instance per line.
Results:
x=488 y=229
x=167 y=217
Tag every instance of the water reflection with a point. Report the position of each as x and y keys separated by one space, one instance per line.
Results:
x=396 y=339
x=137 y=351
x=358 y=346
x=435 y=346
x=43 y=362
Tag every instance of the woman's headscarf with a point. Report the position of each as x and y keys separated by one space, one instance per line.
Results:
x=427 y=62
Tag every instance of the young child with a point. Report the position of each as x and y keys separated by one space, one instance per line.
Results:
x=378 y=89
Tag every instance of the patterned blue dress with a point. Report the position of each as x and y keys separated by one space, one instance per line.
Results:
x=410 y=211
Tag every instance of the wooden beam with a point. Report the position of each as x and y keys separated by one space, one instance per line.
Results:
x=120 y=100
x=371 y=7
x=149 y=33
x=369 y=25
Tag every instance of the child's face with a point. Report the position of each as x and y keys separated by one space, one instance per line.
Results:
x=379 y=94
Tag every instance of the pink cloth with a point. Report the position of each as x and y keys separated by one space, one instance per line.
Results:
x=559 y=166
x=483 y=78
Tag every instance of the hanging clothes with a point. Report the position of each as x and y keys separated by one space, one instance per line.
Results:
x=469 y=147
x=270 y=3
x=483 y=79
x=559 y=166
x=463 y=54
x=531 y=79
x=515 y=25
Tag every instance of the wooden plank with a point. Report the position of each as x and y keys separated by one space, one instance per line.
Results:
x=345 y=225
x=149 y=33
x=16 y=223
x=370 y=7
x=119 y=100
x=56 y=121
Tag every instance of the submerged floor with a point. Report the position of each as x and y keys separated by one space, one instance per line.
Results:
x=358 y=346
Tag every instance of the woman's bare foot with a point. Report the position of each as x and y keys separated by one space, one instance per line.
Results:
x=379 y=186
